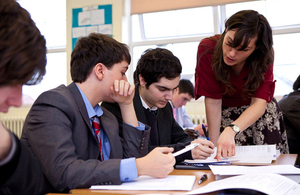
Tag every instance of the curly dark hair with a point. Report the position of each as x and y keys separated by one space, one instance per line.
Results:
x=93 y=49
x=22 y=47
x=157 y=63
x=247 y=24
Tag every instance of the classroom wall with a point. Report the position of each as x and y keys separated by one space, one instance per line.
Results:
x=118 y=14
x=118 y=7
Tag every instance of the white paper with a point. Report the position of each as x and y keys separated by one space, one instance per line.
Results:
x=105 y=29
x=171 y=182
x=256 y=154
x=78 y=32
x=84 y=18
x=270 y=183
x=239 y=170
x=97 y=17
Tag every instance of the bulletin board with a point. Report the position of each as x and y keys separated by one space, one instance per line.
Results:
x=90 y=19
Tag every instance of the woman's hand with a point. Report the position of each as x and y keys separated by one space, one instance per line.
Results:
x=226 y=144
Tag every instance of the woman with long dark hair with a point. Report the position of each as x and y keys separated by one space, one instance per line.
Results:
x=235 y=74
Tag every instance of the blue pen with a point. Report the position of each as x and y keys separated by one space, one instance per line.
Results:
x=205 y=132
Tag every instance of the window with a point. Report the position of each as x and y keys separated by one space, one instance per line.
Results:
x=50 y=18
x=181 y=31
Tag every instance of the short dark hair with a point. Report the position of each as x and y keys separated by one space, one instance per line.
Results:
x=186 y=86
x=22 y=47
x=93 y=49
x=157 y=63
x=296 y=84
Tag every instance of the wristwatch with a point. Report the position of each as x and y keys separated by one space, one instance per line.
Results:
x=235 y=128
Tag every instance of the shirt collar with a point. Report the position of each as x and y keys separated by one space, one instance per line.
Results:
x=171 y=104
x=96 y=111
x=146 y=106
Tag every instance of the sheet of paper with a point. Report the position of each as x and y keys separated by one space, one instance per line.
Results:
x=239 y=170
x=171 y=182
x=270 y=183
x=256 y=154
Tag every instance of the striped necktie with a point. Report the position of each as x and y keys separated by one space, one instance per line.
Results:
x=96 y=128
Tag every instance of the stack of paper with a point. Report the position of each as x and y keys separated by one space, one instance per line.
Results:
x=256 y=154
x=270 y=183
x=171 y=182
x=289 y=171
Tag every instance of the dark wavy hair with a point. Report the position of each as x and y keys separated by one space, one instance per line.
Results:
x=93 y=49
x=157 y=63
x=247 y=24
x=22 y=47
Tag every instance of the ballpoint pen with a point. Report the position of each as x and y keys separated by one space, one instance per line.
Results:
x=187 y=148
x=202 y=179
x=205 y=132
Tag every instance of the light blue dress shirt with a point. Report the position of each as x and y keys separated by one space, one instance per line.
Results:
x=128 y=169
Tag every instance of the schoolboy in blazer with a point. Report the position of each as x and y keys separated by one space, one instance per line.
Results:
x=58 y=128
x=157 y=76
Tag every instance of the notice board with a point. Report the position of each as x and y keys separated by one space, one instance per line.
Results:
x=90 y=19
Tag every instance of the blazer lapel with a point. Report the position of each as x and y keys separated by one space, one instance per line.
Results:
x=80 y=103
x=138 y=106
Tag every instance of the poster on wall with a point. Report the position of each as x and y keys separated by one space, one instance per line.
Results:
x=90 y=19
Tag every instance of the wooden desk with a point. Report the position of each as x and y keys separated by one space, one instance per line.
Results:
x=283 y=159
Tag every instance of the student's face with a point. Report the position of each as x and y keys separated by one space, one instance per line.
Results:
x=159 y=93
x=232 y=56
x=180 y=99
x=116 y=72
x=10 y=96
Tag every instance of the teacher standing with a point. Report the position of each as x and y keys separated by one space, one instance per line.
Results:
x=235 y=74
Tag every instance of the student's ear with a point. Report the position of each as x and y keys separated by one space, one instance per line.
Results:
x=176 y=90
x=142 y=81
x=99 y=70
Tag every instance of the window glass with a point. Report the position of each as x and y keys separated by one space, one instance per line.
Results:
x=56 y=74
x=198 y=22
x=136 y=33
x=259 y=6
x=282 y=13
x=287 y=61
x=272 y=10
x=186 y=53
x=50 y=18
x=183 y=22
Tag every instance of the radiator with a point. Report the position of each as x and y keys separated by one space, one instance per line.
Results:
x=198 y=119
x=14 y=124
